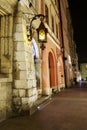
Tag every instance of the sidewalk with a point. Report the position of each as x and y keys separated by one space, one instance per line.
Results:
x=66 y=110
x=41 y=101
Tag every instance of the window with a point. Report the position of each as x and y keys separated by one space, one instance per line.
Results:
x=56 y=30
x=59 y=32
x=47 y=14
x=52 y=24
x=5 y=41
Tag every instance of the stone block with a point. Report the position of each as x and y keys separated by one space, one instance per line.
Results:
x=34 y=83
x=32 y=67
x=3 y=93
x=10 y=78
x=19 y=46
x=22 y=66
x=30 y=85
x=25 y=100
x=15 y=93
x=34 y=91
x=18 y=20
x=23 y=84
x=18 y=37
x=19 y=28
x=2 y=105
x=32 y=100
x=3 y=80
x=8 y=91
x=19 y=56
x=17 y=101
x=31 y=75
x=28 y=48
x=30 y=92
x=28 y=66
x=23 y=75
x=22 y=93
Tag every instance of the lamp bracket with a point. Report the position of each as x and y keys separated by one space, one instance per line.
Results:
x=42 y=46
x=35 y=17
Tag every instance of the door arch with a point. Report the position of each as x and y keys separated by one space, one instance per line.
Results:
x=52 y=70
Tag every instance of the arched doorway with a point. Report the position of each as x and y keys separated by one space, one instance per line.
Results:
x=52 y=71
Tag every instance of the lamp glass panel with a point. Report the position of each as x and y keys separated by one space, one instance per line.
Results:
x=41 y=34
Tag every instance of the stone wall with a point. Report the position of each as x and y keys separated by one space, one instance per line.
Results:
x=17 y=71
x=6 y=57
x=5 y=99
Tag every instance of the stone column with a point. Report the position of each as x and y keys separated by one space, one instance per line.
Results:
x=24 y=91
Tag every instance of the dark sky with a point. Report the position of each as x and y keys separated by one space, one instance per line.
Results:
x=78 y=9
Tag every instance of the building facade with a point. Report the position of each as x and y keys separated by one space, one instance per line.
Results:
x=26 y=71
x=83 y=70
x=63 y=5
x=72 y=47
x=6 y=57
x=69 y=46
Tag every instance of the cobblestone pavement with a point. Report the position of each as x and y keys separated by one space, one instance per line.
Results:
x=66 y=110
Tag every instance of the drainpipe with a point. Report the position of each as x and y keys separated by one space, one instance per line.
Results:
x=62 y=42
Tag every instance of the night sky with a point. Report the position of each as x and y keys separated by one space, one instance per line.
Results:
x=78 y=10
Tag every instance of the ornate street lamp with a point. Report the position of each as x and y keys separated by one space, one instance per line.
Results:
x=42 y=35
x=41 y=31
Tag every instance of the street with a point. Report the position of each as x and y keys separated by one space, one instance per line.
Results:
x=66 y=110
